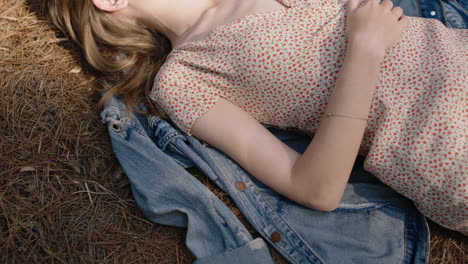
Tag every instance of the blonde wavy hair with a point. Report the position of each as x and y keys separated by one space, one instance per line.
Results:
x=125 y=56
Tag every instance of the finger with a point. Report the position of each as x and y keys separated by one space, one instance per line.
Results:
x=387 y=4
x=352 y=5
x=404 y=21
x=370 y=2
x=397 y=12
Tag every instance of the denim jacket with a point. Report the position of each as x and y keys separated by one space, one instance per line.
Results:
x=372 y=224
x=452 y=13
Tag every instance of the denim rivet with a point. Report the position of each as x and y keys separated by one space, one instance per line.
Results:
x=241 y=185
x=276 y=236
x=433 y=13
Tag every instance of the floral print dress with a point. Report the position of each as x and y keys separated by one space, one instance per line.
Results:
x=280 y=67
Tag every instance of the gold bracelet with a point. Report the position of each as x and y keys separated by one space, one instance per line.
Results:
x=326 y=114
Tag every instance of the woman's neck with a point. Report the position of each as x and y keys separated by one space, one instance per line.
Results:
x=219 y=13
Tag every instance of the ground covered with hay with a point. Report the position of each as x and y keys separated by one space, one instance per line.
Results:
x=63 y=196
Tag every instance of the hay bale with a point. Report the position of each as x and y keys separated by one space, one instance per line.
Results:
x=63 y=196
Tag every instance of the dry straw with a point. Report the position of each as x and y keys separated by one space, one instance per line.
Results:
x=63 y=198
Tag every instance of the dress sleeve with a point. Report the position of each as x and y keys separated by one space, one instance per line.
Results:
x=184 y=93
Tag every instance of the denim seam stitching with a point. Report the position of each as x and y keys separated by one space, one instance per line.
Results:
x=195 y=162
x=224 y=172
x=290 y=230
x=315 y=256
x=461 y=7
x=242 y=201
x=444 y=15
x=405 y=240
x=428 y=240
x=168 y=138
x=419 y=8
x=373 y=207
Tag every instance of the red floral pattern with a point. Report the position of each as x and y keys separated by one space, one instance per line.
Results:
x=280 y=66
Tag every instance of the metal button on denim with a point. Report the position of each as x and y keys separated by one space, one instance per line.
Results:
x=304 y=237
x=240 y=185
x=276 y=236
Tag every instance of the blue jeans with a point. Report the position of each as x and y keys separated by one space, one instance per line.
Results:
x=452 y=13
x=372 y=224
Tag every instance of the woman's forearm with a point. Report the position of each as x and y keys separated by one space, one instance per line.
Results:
x=322 y=171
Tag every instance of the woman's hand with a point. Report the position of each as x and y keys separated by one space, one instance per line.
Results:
x=374 y=27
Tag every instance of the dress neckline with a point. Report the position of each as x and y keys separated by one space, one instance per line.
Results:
x=236 y=21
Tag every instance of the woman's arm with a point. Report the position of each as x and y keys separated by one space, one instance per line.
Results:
x=333 y=150
x=318 y=177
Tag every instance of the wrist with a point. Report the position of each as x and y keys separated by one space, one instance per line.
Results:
x=365 y=50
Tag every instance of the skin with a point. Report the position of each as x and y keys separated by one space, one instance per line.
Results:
x=189 y=23
x=316 y=178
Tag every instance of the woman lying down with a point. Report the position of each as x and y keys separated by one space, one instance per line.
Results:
x=360 y=77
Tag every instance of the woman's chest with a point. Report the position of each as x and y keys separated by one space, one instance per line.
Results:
x=295 y=47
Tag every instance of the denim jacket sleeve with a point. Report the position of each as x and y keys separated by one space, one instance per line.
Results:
x=372 y=221
x=167 y=194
